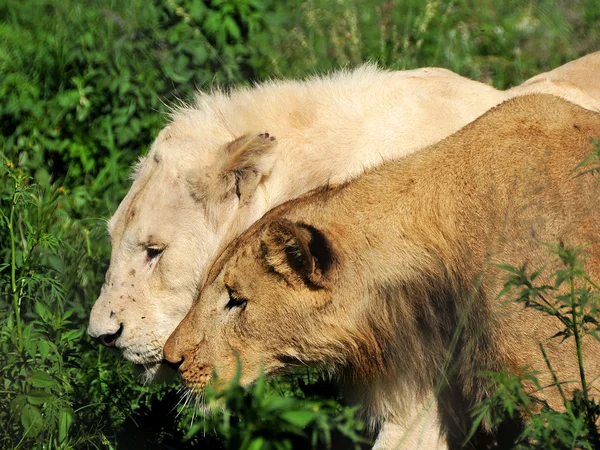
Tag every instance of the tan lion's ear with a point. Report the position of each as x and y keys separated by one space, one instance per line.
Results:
x=297 y=252
x=245 y=161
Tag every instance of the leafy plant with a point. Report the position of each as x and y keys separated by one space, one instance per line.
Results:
x=501 y=43
x=572 y=299
x=591 y=164
x=260 y=417
x=36 y=338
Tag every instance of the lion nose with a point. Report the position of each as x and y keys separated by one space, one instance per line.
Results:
x=174 y=365
x=172 y=358
x=109 y=340
x=172 y=355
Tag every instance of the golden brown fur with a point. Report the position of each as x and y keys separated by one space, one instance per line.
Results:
x=374 y=279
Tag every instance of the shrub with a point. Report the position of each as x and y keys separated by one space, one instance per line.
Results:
x=84 y=86
x=573 y=299
x=275 y=416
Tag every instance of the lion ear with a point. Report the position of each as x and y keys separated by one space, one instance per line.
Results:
x=297 y=252
x=245 y=161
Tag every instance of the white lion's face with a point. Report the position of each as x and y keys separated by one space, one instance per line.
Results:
x=161 y=243
x=164 y=234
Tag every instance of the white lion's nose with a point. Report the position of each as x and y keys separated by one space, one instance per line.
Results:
x=110 y=339
x=104 y=324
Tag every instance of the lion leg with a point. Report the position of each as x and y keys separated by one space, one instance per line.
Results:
x=418 y=429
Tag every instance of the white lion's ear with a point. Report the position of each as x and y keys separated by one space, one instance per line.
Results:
x=298 y=252
x=245 y=161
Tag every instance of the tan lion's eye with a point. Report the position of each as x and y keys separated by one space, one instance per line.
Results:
x=235 y=300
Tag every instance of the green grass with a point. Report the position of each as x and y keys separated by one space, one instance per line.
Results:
x=85 y=87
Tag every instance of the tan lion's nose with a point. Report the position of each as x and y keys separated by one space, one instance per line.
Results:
x=173 y=352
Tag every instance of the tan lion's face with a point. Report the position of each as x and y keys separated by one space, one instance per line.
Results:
x=268 y=299
x=164 y=234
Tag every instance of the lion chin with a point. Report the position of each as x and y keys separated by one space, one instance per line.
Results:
x=156 y=372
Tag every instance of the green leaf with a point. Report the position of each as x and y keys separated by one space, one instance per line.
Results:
x=257 y=444
x=40 y=379
x=65 y=419
x=232 y=28
x=30 y=346
x=197 y=10
x=298 y=418
x=18 y=403
x=39 y=397
x=71 y=335
x=44 y=349
x=199 y=54
x=32 y=420
x=508 y=268
x=68 y=99
x=42 y=311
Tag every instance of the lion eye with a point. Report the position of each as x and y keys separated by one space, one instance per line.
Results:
x=235 y=301
x=153 y=252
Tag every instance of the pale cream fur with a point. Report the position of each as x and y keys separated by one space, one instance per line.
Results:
x=372 y=280
x=214 y=170
x=577 y=81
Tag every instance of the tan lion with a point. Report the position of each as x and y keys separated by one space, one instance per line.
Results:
x=374 y=279
x=214 y=170
x=577 y=81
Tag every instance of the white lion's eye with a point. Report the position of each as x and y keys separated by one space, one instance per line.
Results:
x=153 y=252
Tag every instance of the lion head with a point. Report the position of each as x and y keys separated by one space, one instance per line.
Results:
x=171 y=217
x=280 y=271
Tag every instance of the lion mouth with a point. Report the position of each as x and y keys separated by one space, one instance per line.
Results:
x=147 y=365
x=196 y=382
x=145 y=358
x=154 y=372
